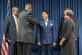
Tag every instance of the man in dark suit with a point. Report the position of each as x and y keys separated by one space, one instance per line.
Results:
x=46 y=36
x=25 y=37
x=10 y=30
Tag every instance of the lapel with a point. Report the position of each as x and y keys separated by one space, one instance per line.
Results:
x=13 y=21
x=48 y=23
x=43 y=23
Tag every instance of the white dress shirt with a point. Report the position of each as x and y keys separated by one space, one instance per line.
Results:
x=16 y=21
x=46 y=22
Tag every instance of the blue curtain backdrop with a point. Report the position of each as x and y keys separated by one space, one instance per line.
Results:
x=55 y=7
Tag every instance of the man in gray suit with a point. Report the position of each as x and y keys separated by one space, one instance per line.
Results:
x=25 y=37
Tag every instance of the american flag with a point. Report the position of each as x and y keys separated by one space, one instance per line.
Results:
x=4 y=44
x=8 y=8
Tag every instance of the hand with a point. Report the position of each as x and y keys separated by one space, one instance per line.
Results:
x=9 y=41
x=39 y=43
x=61 y=44
x=62 y=41
x=54 y=44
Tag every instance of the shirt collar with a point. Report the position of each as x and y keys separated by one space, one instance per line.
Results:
x=46 y=20
x=14 y=16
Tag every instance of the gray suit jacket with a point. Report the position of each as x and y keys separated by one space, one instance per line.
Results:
x=26 y=27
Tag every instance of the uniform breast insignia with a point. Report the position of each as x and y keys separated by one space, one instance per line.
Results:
x=51 y=24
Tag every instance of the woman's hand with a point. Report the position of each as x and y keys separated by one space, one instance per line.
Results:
x=62 y=41
x=61 y=44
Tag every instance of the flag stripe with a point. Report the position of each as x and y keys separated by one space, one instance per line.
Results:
x=4 y=43
x=4 y=46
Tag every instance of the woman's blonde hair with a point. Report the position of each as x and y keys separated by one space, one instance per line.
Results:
x=69 y=12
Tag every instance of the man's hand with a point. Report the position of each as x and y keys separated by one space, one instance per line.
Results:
x=39 y=43
x=9 y=41
x=54 y=44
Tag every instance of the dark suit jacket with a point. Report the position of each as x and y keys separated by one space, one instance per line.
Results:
x=10 y=29
x=26 y=27
x=47 y=33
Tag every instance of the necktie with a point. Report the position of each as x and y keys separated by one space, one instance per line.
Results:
x=46 y=23
x=17 y=24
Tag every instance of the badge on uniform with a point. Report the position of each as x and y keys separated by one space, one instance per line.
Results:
x=51 y=24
